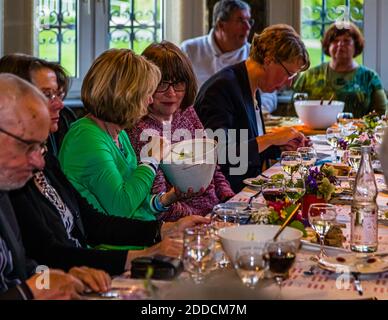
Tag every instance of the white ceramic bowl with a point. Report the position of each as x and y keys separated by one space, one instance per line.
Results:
x=191 y=163
x=317 y=116
x=234 y=238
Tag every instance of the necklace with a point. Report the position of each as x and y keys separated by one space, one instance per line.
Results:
x=117 y=143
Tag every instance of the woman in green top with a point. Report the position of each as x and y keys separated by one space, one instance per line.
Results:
x=359 y=87
x=96 y=154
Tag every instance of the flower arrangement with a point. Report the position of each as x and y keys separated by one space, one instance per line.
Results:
x=321 y=182
x=276 y=213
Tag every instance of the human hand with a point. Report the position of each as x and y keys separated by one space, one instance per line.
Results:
x=175 y=229
x=167 y=247
x=158 y=147
x=62 y=286
x=96 y=280
x=294 y=144
x=281 y=136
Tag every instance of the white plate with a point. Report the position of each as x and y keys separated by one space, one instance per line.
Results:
x=249 y=182
x=352 y=262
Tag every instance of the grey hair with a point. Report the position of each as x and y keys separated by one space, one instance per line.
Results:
x=223 y=9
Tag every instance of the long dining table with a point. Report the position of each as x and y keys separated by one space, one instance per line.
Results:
x=301 y=285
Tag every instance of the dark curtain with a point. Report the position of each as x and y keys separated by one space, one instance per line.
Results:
x=258 y=12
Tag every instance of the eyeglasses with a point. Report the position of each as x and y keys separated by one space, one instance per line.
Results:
x=250 y=21
x=33 y=146
x=177 y=86
x=290 y=75
x=52 y=95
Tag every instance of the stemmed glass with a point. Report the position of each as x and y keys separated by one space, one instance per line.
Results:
x=273 y=191
x=295 y=189
x=321 y=217
x=222 y=218
x=309 y=157
x=250 y=265
x=290 y=161
x=332 y=136
x=379 y=134
x=280 y=256
x=345 y=120
x=198 y=252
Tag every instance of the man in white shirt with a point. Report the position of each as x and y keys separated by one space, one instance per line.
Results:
x=225 y=45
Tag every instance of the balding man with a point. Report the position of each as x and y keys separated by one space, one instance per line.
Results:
x=24 y=127
x=225 y=45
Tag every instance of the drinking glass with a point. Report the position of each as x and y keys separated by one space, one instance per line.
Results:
x=290 y=161
x=250 y=265
x=332 y=136
x=345 y=120
x=295 y=189
x=354 y=158
x=273 y=191
x=379 y=134
x=321 y=217
x=198 y=252
x=309 y=157
x=280 y=256
x=222 y=218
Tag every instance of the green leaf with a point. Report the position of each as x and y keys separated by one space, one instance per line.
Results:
x=298 y=225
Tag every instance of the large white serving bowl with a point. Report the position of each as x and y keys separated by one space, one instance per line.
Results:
x=191 y=163
x=316 y=115
x=257 y=235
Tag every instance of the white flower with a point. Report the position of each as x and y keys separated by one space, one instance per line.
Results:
x=261 y=215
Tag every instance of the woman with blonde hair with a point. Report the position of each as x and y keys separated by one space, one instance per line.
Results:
x=96 y=154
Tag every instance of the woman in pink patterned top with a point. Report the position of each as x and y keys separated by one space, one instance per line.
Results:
x=172 y=110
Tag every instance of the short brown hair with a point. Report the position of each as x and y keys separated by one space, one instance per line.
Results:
x=281 y=42
x=336 y=30
x=22 y=65
x=116 y=86
x=175 y=66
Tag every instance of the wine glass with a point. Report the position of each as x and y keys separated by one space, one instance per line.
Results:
x=295 y=189
x=273 y=191
x=222 y=218
x=332 y=136
x=250 y=265
x=198 y=252
x=354 y=158
x=321 y=217
x=379 y=134
x=309 y=157
x=345 y=120
x=280 y=256
x=290 y=161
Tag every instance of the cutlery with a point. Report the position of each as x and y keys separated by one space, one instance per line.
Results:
x=249 y=206
x=357 y=283
x=310 y=271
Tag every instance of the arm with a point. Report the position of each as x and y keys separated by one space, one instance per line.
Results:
x=379 y=101
x=119 y=187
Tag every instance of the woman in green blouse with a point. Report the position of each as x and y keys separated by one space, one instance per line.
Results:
x=359 y=87
x=96 y=154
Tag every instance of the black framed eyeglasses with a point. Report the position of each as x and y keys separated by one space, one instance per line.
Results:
x=177 y=86
x=290 y=75
x=33 y=145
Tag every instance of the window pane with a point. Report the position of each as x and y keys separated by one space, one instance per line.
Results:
x=134 y=24
x=317 y=15
x=57 y=32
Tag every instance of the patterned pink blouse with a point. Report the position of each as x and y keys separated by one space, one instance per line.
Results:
x=219 y=189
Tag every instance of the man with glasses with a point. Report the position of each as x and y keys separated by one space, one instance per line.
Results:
x=24 y=127
x=225 y=45
x=231 y=100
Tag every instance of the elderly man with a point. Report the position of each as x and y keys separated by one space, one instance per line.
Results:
x=24 y=127
x=225 y=45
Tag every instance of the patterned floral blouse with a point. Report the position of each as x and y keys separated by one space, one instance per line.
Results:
x=219 y=189
x=360 y=89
